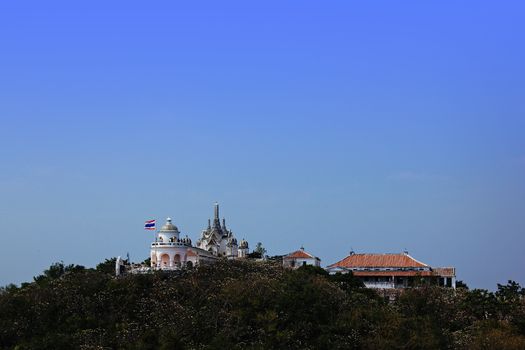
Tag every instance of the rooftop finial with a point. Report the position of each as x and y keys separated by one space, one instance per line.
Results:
x=216 y=211
x=216 y=220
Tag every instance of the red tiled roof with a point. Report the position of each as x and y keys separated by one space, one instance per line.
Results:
x=299 y=254
x=392 y=273
x=379 y=260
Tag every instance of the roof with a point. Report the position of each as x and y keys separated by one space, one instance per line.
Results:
x=169 y=227
x=379 y=260
x=300 y=254
x=392 y=273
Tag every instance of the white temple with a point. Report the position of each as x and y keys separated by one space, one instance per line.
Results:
x=220 y=241
x=170 y=251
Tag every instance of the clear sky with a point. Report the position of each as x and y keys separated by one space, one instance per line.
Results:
x=376 y=126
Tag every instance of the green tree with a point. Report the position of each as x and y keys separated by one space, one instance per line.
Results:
x=250 y=305
x=461 y=285
x=108 y=266
x=259 y=249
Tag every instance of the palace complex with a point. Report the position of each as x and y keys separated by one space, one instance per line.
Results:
x=171 y=251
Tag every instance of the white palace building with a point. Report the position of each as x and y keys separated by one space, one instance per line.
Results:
x=171 y=251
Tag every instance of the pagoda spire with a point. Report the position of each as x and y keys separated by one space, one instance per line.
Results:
x=216 y=210
x=216 y=220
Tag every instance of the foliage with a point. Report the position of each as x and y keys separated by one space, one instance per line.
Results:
x=461 y=284
x=259 y=249
x=250 y=305
x=108 y=266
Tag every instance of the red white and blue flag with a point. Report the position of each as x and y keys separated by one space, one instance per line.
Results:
x=149 y=225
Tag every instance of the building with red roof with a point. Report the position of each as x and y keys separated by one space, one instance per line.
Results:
x=387 y=271
x=300 y=258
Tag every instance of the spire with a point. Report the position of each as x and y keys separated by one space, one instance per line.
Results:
x=209 y=224
x=216 y=220
x=216 y=211
x=224 y=223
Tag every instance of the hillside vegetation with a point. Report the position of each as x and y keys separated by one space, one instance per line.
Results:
x=250 y=305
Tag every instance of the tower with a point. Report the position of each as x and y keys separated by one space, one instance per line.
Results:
x=216 y=220
x=169 y=251
x=243 y=249
x=217 y=239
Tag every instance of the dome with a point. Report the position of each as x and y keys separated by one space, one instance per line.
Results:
x=244 y=244
x=169 y=227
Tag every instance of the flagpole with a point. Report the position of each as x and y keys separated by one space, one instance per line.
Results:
x=155 y=242
x=154 y=229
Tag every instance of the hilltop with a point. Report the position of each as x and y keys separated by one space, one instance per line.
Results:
x=250 y=305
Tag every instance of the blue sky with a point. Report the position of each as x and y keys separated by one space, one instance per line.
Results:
x=339 y=125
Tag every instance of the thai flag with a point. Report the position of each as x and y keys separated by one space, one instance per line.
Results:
x=149 y=225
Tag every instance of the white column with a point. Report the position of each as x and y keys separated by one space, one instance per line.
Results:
x=158 y=259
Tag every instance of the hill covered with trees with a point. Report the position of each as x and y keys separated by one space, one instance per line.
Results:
x=250 y=305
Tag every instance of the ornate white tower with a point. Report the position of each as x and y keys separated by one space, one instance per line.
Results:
x=217 y=239
x=243 y=249
x=169 y=251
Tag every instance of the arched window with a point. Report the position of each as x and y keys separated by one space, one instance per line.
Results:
x=176 y=260
x=165 y=260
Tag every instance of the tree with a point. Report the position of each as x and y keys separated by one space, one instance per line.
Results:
x=56 y=271
x=108 y=266
x=462 y=285
x=346 y=281
x=259 y=249
x=242 y=304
